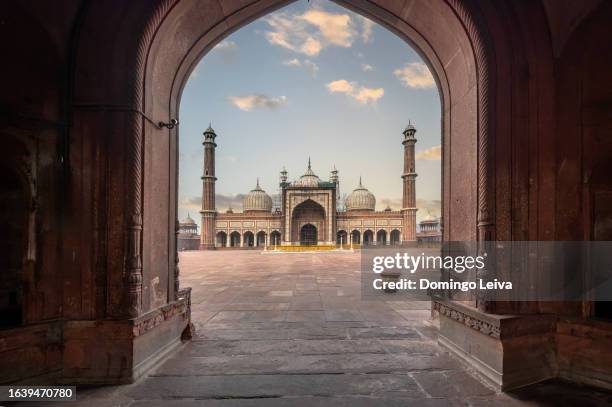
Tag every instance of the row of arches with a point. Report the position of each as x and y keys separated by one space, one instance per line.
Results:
x=368 y=238
x=247 y=239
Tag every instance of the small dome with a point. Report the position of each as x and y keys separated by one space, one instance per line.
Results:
x=229 y=210
x=209 y=129
x=360 y=199
x=257 y=200
x=429 y=219
x=309 y=179
x=410 y=127
x=188 y=221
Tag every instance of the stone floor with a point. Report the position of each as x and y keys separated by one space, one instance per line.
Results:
x=291 y=330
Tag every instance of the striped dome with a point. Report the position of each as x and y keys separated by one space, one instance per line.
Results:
x=309 y=179
x=257 y=200
x=360 y=199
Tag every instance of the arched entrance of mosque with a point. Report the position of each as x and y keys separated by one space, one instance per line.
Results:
x=395 y=237
x=342 y=237
x=172 y=37
x=308 y=213
x=235 y=239
x=355 y=237
x=248 y=239
x=501 y=69
x=308 y=235
x=261 y=238
x=368 y=237
x=221 y=239
x=14 y=213
x=275 y=238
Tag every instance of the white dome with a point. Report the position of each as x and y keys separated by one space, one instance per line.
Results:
x=360 y=199
x=309 y=179
x=187 y=221
x=257 y=200
x=429 y=218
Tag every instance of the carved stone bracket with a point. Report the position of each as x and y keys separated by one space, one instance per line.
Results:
x=182 y=307
x=484 y=327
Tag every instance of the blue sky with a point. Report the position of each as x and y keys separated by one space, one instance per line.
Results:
x=310 y=80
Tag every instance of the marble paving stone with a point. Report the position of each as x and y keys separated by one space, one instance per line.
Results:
x=293 y=331
x=251 y=386
x=284 y=347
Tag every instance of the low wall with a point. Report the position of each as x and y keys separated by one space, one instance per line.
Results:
x=512 y=351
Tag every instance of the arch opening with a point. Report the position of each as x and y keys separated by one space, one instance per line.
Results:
x=13 y=241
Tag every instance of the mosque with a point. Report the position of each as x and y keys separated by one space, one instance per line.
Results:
x=310 y=211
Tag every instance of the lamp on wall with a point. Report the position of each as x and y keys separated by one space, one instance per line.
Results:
x=172 y=124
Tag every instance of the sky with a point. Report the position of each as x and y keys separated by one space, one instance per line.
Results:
x=314 y=80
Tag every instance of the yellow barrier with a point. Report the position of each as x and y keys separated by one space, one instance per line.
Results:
x=298 y=248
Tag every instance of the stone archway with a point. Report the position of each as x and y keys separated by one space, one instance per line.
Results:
x=311 y=213
x=308 y=235
x=260 y=238
x=235 y=239
x=221 y=239
x=158 y=44
x=275 y=238
x=14 y=221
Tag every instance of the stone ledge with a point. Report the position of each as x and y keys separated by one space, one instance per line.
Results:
x=512 y=351
x=120 y=351
x=496 y=326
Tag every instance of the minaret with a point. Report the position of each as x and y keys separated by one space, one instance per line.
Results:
x=209 y=212
x=334 y=178
x=409 y=176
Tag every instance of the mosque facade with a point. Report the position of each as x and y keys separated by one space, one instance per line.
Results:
x=310 y=211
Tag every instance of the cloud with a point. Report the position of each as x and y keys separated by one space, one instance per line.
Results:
x=335 y=28
x=222 y=201
x=249 y=102
x=366 y=30
x=310 y=32
x=367 y=67
x=431 y=206
x=361 y=94
x=342 y=86
x=432 y=153
x=226 y=50
x=225 y=44
x=393 y=203
x=415 y=75
x=307 y=64
x=194 y=74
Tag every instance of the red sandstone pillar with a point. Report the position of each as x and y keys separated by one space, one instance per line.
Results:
x=409 y=177
x=208 y=212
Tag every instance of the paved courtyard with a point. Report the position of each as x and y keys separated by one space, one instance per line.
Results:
x=291 y=330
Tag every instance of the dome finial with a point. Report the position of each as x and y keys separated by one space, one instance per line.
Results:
x=309 y=162
x=360 y=184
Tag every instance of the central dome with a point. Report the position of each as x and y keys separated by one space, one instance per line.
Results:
x=257 y=200
x=309 y=179
x=360 y=199
x=188 y=221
